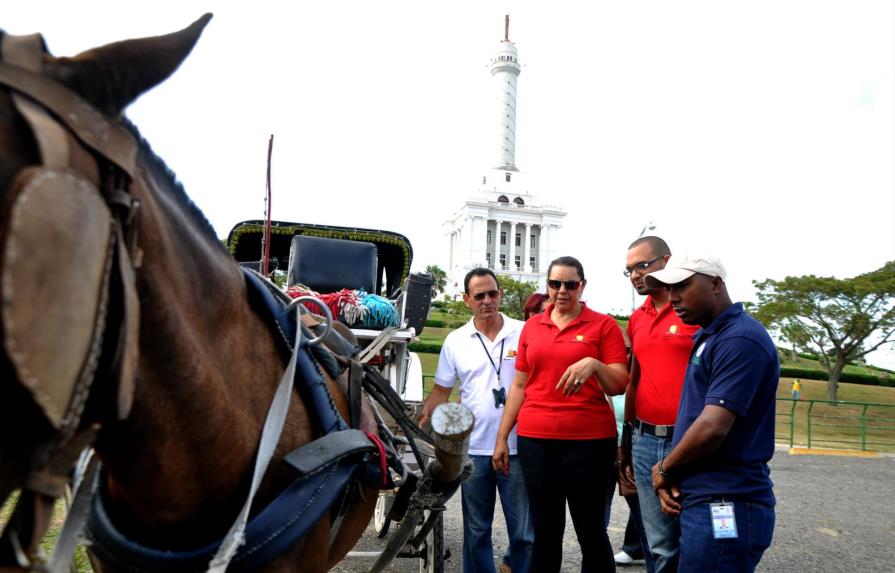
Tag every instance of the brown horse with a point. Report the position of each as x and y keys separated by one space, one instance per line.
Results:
x=178 y=401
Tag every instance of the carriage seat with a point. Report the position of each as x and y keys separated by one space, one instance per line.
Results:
x=329 y=265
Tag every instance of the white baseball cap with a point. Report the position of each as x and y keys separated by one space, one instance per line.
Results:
x=681 y=268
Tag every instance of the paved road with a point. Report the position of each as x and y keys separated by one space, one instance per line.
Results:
x=833 y=514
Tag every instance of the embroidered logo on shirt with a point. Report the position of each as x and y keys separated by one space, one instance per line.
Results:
x=511 y=353
x=696 y=357
x=672 y=329
x=579 y=338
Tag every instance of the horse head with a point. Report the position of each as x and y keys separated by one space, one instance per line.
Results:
x=59 y=220
x=122 y=318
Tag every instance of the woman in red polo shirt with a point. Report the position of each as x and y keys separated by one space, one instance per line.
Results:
x=569 y=358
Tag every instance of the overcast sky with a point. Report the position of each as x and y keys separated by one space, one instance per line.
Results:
x=761 y=131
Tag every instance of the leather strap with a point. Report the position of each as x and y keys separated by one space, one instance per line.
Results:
x=108 y=139
x=355 y=395
x=27 y=52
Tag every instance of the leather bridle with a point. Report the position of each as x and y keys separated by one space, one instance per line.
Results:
x=88 y=163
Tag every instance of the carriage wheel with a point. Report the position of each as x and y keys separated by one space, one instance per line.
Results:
x=381 y=522
x=432 y=558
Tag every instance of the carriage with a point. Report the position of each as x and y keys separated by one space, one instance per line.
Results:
x=231 y=425
x=326 y=257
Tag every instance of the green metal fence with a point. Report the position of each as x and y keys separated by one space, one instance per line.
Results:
x=786 y=420
x=841 y=424
x=864 y=426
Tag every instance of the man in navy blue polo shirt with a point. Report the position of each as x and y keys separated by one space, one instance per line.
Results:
x=716 y=476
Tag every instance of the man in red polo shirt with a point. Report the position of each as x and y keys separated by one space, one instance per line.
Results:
x=661 y=345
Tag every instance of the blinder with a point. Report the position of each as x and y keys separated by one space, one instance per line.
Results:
x=70 y=217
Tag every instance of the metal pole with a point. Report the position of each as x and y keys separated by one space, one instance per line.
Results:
x=265 y=241
x=864 y=428
x=810 y=408
x=792 y=422
x=451 y=426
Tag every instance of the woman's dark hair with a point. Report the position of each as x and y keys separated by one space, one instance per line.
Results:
x=567 y=262
x=533 y=304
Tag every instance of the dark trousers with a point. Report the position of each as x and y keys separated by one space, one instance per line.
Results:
x=573 y=471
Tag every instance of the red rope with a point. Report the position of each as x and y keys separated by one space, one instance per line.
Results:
x=383 y=460
x=334 y=301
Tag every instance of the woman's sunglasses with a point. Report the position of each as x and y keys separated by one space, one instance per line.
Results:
x=570 y=285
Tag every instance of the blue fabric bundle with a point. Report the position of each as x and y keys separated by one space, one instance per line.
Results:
x=381 y=312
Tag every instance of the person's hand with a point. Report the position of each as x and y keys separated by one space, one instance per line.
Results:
x=577 y=375
x=669 y=494
x=501 y=457
x=668 y=500
x=423 y=418
x=625 y=469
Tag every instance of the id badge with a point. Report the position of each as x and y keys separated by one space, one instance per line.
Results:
x=724 y=524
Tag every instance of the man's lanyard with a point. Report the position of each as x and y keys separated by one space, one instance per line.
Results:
x=491 y=360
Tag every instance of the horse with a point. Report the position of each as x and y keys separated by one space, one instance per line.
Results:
x=172 y=366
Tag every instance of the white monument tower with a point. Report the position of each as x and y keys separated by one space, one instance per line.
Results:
x=503 y=226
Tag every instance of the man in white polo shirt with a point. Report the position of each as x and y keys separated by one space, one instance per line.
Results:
x=481 y=356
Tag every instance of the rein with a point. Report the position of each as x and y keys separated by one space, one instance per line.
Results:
x=63 y=186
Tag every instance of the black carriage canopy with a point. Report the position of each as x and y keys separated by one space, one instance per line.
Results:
x=393 y=251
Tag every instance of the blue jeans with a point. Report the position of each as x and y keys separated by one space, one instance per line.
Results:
x=662 y=531
x=478 y=496
x=701 y=552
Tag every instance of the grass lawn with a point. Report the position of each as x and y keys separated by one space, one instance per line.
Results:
x=81 y=561
x=838 y=425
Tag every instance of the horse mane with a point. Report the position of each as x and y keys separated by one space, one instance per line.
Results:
x=160 y=170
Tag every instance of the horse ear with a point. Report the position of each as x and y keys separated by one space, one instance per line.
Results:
x=113 y=76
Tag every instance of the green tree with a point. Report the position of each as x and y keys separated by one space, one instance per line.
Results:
x=839 y=320
x=515 y=293
x=440 y=278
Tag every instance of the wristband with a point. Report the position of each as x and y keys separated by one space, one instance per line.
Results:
x=662 y=470
x=627 y=435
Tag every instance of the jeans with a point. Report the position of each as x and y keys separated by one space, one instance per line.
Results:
x=635 y=543
x=701 y=552
x=577 y=471
x=478 y=497
x=662 y=531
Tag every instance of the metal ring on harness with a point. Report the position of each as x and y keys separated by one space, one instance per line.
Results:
x=326 y=313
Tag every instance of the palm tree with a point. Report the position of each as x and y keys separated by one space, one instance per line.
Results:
x=439 y=276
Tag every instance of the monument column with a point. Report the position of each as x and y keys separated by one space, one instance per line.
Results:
x=511 y=261
x=526 y=248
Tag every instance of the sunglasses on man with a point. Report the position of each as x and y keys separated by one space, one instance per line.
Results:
x=492 y=294
x=570 y=285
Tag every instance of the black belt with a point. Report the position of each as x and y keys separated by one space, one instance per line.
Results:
x=666 y=432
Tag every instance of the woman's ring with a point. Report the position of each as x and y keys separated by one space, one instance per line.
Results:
x=577 y=382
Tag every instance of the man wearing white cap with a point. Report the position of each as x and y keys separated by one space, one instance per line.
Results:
x=716 y=476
